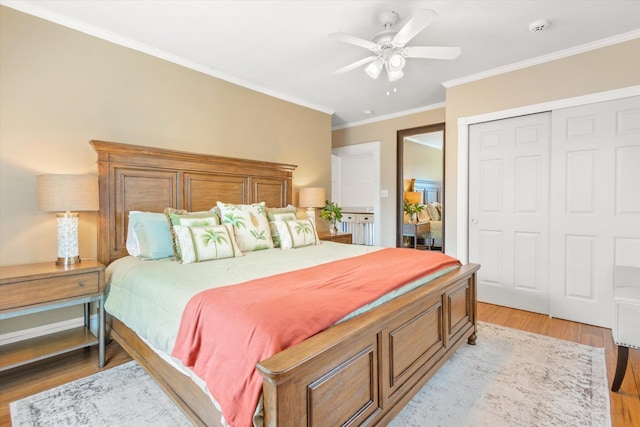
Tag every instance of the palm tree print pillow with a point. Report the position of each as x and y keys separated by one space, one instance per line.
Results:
x=204 y=243
x=250 y=225
x=297 y=233
x=182 y=217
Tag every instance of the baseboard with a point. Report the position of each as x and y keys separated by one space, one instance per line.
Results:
x=51 y=328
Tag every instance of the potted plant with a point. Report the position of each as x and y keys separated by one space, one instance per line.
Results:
x=412 y=210
x=333 y=213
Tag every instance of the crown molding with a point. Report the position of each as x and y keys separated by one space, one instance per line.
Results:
x=390 y=116
x=631 y=35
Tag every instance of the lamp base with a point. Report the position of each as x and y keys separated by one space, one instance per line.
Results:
x=311 y=215
x=68 y=253
x=68 y=260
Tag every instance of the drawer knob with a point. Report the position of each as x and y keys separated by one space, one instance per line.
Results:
x=81 y=284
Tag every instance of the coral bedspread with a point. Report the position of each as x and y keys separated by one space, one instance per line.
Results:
x=226 y=331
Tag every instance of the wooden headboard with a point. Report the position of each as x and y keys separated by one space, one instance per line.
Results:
x=431 y=190
x=139 y=178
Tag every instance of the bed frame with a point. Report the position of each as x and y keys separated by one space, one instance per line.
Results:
x=360 y=372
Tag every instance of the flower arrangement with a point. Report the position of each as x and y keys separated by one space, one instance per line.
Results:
x=412 y=210
x=331 y=212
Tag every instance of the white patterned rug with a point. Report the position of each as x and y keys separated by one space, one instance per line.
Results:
x=510 y=378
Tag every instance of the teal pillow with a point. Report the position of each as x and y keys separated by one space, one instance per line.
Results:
x=153 y=234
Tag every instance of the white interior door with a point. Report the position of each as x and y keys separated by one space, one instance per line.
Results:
x=595 y=206
x=509 y=211
x=355 y=180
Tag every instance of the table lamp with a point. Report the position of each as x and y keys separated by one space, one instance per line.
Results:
x=311 y=198
x=66 y=195
x=413 y=197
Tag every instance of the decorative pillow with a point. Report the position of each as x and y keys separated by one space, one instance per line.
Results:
x=433 y=211
x=250 y=225
x=152 y=234
x=279 y=214
x=297 y=233
x=207 y=242
x=439 y=207
x=424 y=216
x=194 y=219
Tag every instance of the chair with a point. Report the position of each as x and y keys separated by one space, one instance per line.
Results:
x=626 y=322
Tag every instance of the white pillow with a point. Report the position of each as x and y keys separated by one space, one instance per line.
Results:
x=297 y=233
x=206 y=242
x=279 y=214
x=275 y=236
x=133 y=246
x=434 y=213
x=250 y=225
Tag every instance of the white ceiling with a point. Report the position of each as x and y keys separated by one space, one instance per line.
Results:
x=282 y=48
x=431 y=139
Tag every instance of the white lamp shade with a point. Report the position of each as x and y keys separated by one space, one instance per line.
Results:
x=312 y=197
x=396 y=62
x=67 y=193
x=394 y=75
x=374 y=68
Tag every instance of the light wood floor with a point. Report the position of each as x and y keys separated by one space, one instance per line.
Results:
x=625 y=405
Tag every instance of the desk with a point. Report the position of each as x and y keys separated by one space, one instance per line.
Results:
x=415 y=230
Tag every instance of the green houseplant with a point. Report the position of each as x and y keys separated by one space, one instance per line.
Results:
x=412 y=210
x=333 y=213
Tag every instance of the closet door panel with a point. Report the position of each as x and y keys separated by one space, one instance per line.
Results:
x=595 y=206
x=508 y=210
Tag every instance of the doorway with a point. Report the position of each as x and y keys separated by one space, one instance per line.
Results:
x=420 y=157
x=355 y=186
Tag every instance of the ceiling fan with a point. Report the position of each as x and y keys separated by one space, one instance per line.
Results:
x=389 y=46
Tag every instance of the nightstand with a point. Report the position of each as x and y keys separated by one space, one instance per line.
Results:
x=33 y=288
x=338 y=237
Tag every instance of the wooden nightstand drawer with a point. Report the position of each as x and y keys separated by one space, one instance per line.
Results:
x=30 y=292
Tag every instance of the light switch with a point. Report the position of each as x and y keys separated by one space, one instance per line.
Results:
x=384 y=193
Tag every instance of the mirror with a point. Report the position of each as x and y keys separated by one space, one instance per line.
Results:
x=420 y=169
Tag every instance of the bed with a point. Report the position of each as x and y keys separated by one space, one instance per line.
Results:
x=361 y=371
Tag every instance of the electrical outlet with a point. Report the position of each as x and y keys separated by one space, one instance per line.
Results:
x=384 y=193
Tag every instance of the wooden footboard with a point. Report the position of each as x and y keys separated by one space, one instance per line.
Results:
x=363 y=371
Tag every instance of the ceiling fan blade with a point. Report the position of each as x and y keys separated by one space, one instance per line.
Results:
x=355 y=65
x=432 y=52
x=417 y=23
x=344 y=37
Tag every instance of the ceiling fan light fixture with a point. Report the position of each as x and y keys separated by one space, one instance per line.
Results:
x=396 y=62
x=375 y=68
x=394 y=75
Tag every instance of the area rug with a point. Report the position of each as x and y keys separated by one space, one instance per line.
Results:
x=514 y=378
x=510 y=378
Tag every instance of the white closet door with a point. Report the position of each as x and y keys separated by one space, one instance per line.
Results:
x=595 y=206
x=508 y=210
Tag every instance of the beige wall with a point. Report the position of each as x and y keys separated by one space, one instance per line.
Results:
x=385 y=132
x=599 y=70
x=422 y=162
x=60 y=88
